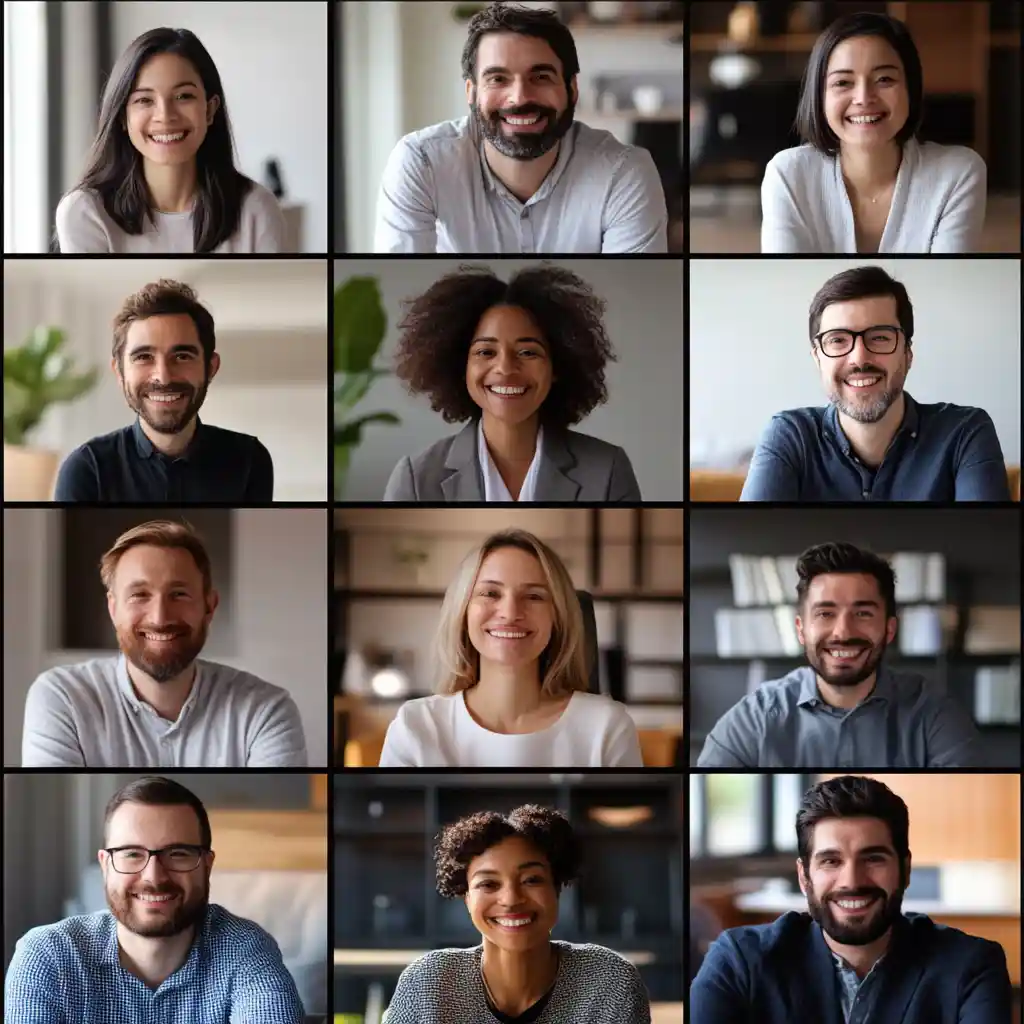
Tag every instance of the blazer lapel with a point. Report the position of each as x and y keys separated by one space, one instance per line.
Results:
x=555 y=481
x=463 y=482
x=901 y=973
x=813 y=996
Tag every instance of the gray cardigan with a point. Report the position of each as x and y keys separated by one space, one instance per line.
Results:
x=594 y=986
x=574 y=467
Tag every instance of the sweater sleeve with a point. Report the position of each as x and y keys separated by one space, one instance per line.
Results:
x=622 y=743
x=784 y=228
x=50 y=736
x=80 y=227
x=400 y=745
x=963 y=215
x=717 y=993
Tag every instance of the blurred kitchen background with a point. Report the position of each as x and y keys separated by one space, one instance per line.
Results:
x=400 y=70
x=957 y=593
x=392 y=567
x=964 y=841
x=56 y=61
x=269 y=834
x=55 y=609
x=746 y=62
x=750 y=355
x=388 y=912
x=644 y=321
x=270 y=318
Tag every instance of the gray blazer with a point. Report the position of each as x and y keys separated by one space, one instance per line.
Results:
x=574 y=467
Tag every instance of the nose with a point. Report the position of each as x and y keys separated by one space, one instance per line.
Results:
x=506 y=360
x=155 y=873
x=511 y=606
x=863 y=92
x=157 y=610
x=852 y=876
x=518 y=93
x=845 y=625
x=860 y=353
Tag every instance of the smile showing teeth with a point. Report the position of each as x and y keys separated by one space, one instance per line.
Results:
x=164 y=139
x=862 y=382
x=506 y=392
x=533 y=119
x=854 y=904
x=513 y=922
x=506 y=634
x=160 y=636
x=842 y=652
x=866 y=118
x=165 y=399
x=151 y=898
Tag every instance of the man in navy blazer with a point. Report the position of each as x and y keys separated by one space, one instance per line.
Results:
x=855 y=958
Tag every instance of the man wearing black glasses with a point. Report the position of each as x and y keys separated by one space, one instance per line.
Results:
x=164 y=952
x=873 y=442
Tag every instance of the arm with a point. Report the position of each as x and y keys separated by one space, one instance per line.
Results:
x=260 y=485
x=406 y=210
x=622 y=745
x=399 y=749
x=406 y=1004
x=734 y=741
x=783 y=226
x=80 y=228
x=718 y=993
x=635 y=1007
x=401 y=484
x=49 y=738
x=636 y=218
x=271 y=233
x=952 y=739
x=980 y=469
x=78 y=478
x=774 y=473
x=279 y=741
x=264 y=991
x=623 y=486
x=963 y=216
x=32 y=987
x=985 y=991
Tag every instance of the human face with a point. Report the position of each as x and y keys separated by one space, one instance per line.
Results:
x=511 y=897
x=865 y=79
x=510 y=615
x=508 y=369
x=158 y=609
x=154 y=828
x=843 y=627
x=862 y=384
x=168 y=112
x=162 y=372
x=852 y=859
x=519 y=101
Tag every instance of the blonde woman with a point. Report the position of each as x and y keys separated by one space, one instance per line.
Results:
x=512 y=674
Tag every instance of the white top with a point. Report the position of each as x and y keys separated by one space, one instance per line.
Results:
x=84 y=226
x=938 y=204
x=89 y=716
x=439 y=732
x=494 y=486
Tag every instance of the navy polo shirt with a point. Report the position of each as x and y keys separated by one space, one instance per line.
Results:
x=218 y=466
x=941 y=452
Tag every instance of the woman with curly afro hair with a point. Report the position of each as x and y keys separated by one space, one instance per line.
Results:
x=509 y=871
x=521 y=362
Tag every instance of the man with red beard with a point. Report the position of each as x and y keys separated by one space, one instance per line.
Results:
x=164 y=359
x=158 y=704
x=163 y=952
x=855 y=958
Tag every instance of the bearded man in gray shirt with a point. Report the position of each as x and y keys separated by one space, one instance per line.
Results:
x=846 y=710
x=157 y=704
x=519 y=175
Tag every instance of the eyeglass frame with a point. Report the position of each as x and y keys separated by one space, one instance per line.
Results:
x=200 y=850
x=860 y=334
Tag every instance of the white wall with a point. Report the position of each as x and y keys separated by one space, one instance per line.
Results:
x=750 y=353
x=644 y=412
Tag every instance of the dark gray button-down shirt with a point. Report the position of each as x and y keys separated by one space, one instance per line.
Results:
x=855 y=994
x=785 y=724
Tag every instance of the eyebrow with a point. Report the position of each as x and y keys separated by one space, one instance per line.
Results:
x=500 y=583
x=856 y=604
x=860 y=853
x=495 y=69
x=536 y=341
x=879 y=67
x=182 y=346
x=146 y=88
x=145 y=583
x=522 y=867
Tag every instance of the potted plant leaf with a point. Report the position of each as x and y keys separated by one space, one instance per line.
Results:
x=360 y=324
x=37 y=375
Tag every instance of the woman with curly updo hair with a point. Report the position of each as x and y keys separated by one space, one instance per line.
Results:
x=509 y=871
x=521 y=362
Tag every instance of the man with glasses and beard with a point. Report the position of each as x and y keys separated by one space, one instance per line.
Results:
x=873 y=442
x=164 y=359
x=845 y=709
x=163 y=952
x=158 y=704
x=519 y=175
x=855 y=958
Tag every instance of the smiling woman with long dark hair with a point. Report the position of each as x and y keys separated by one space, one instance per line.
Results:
x=509 y=870
x=160 y=176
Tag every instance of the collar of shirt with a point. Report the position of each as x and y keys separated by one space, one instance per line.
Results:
x=908 y=425
x=566 y=145
x=811 y=698
x=124 y=684
x=494 y=486
x=111 y=957
x=146 y=449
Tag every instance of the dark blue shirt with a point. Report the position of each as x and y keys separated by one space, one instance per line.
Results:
x=218 y=465
x=941 y=452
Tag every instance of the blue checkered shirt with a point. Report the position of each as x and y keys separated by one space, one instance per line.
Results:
x=69 y=973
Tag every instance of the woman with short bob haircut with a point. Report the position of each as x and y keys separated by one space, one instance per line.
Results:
x=521 y=362
x=509 y=870
x=862 y=182
x=513 y=678
x=160 y=176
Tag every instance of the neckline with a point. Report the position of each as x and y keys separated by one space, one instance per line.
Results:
x=464 y=708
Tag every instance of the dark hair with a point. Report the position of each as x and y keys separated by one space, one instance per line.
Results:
x=526 y=21
x=811 y=123
x=852 y=796
x=439 y=324
x=160 y=299
x=545 y=828
x=841 y=557
x=114 y=166
x=862 y=283
x=156 y=791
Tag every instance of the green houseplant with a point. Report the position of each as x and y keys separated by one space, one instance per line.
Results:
x=37 y=375
x=360 y=324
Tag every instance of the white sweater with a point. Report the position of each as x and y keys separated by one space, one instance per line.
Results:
x=938 y=204
x=439 y=732
x=84 y=226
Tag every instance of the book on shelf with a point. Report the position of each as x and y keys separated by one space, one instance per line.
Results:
x=756 y=632
x=997 y=695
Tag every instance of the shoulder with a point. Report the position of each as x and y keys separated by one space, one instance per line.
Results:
x=83 y=938
x=82 y=204
x=602 y=712
x=103 y=446
x=948 y=162
x=589 y=958
x=229 y=931
x=234 y=440
x=600 y=145
x=260 y=203
x=949 y=416
x=420 y=711
x=439 y=143
x=440 y=968
x=780 y=694
x=237 y=685
x=79 y=681
x=753 y=942
x=433 y=457
x=583 y=446
x=797 y=163
x=797 y=423
x=952 y=943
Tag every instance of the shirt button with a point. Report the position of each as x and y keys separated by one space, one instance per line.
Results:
x=913 y=433
x=865 y=494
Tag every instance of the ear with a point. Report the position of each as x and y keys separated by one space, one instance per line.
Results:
x=214 y=365
x=910 y=356
x=891 y=627
x=212 y=106
x=800 y=630
x=802 y=877
x=101 y=856
x=470 y=92
x=116 y=369
x=111 y=604
x=906 y=861
x=212 y=600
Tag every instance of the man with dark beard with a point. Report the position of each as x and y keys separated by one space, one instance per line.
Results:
x=164 y=359
x=856 y=958
x=163 y=952
x=846 y=710
x=873 y=442
x=519 y=175
x=158 y=704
